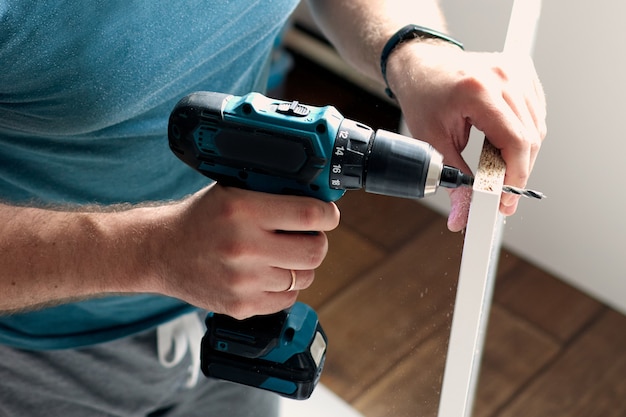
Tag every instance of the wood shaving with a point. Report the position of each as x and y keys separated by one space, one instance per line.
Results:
x=491 y=168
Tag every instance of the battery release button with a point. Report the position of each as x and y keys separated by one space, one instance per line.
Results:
x=293 y=109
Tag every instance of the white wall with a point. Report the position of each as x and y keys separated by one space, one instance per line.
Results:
x=579 y=232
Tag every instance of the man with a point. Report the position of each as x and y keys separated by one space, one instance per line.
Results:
x=105 y=236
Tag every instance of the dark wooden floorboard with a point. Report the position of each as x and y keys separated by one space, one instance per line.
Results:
x=588 y=379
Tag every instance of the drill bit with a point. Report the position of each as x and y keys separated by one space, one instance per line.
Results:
x=523 y=191
x=453 y=178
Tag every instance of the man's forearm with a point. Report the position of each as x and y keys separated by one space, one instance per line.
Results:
x=49 y=256
x=359 y=29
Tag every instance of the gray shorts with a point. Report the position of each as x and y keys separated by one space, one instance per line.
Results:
x=123 y=378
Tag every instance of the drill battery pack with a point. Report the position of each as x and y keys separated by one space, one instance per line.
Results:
x=282 y=352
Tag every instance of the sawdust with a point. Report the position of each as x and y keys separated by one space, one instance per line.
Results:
x=491 y=169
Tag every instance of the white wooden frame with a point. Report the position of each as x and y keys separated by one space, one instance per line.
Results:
x=481 y=250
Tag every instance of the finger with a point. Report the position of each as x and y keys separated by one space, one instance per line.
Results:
x=460 y=199
x=261 y=304
x=249 y=282
x=293 y=250
x=274 y=279
x=273 y=302
x=507 y=132
x=284 y=294
x=293 y=280
x=526 y=93
x=536 y=100
x=297 y=213
x=524 y=153
x=539 y=108
x=528 y=103
x=508 y=207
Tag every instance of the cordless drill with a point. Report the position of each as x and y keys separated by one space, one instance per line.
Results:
x=262 y=144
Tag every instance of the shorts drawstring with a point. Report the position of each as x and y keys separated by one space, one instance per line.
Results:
x=178 y=336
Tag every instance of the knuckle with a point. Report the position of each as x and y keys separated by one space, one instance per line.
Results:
x=543 y=131
x=476 y=96
x=318 y=252
x=310 y=216
x=237 y=283
x=235 y=250
x=470 y=85
x=231 y=208
x=535 y=146
x=306 y=279
x=317 y=257
x=523 y=175
x=319 y=216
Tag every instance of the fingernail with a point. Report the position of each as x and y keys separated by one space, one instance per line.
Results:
x=508 y=199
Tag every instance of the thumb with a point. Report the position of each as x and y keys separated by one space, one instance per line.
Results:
x=460 y=199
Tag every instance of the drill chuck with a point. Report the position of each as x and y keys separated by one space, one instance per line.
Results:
x=402 y=167
x=388 y=163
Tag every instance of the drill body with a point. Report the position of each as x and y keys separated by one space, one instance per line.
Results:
x=262 y=144
x=251 y=142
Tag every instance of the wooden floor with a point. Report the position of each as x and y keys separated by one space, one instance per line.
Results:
x=385 y=295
